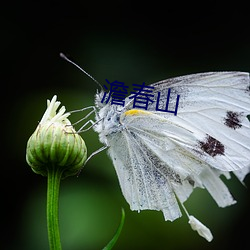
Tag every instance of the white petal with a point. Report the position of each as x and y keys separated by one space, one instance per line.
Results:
x=51 y=114
x=50 y=109
x=200 y=228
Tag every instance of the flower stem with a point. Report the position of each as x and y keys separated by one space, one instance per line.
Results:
x=54 y=177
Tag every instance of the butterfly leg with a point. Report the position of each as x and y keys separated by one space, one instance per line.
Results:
x=91 y=155
x=86 y=116
x=83 y=129
x=96 y=152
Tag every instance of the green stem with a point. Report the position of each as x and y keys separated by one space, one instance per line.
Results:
x=54 y=177
x=117 y=234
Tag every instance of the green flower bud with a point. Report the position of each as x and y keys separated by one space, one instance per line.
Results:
x=55 y=144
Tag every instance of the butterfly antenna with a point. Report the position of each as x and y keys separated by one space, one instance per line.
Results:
x=68 y=60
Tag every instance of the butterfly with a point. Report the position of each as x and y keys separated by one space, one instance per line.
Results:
x=160 y=158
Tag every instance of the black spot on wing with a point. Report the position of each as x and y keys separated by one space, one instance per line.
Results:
x=212 y=146
x=233 y=119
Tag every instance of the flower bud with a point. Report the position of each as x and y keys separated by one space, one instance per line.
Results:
x=55 y=144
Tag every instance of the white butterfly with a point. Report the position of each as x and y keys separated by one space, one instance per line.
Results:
x=160 y=157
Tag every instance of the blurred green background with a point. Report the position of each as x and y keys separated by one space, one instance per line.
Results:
x=117 y=40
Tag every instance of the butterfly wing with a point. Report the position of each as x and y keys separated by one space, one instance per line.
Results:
x=159 y=155
x=214 y=106
x=141 y=183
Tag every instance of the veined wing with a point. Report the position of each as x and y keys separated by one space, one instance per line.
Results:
x=174 y=157
x=141 y=184
x=213 y=106
x=153 y=169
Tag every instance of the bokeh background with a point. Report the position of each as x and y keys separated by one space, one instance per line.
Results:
x=129 y=41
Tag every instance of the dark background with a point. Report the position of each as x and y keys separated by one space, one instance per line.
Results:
x=129 y=41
